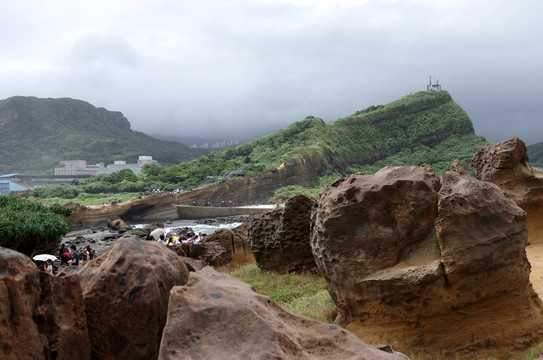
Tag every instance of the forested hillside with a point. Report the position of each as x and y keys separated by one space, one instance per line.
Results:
x=424 y=127
x=36 y=134
x=535 y=152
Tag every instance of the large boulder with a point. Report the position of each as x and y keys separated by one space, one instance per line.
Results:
x=41 y=316
x=117 y=224
x=507 y=165
x=126 y=293
x=209 y=252
x=280 y=238
x=399 y=279
x=216 y=316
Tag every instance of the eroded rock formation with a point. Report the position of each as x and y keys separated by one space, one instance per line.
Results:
x=375 y=241
x=280 y=238
x=41 y=316
x=218 y=317
x=157 y=206
x=126 y=293
x=507 y=165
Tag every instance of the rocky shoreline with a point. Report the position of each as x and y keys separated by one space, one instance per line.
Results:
x=100 y=237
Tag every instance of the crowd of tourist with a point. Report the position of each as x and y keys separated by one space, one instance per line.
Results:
x=189 y=238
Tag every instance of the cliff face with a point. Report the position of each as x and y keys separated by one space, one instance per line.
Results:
x=257 y=188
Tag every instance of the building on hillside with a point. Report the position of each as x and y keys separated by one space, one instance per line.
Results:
x=8 y=186
x=119 y=165
x=78 y=167
x=433 y=87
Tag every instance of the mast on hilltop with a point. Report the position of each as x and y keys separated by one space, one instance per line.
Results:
x=433 y=87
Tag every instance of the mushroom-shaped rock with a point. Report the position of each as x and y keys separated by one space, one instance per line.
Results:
x=126 y=293
x=216 y=316
x=459 y=285
x=280 y=238
x=41 y=316
x=371 y=229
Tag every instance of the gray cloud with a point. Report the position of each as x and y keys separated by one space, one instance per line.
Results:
x=239 y=69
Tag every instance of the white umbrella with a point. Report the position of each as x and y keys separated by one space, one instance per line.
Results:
x=44 y=257
x=157 y=232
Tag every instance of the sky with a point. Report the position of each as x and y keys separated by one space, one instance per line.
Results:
x=238 y=69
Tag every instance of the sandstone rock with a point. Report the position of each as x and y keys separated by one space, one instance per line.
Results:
x=141 y=233
x=218 y=317
x=375 y=242
x=242 y=253
x=153 y=226
x=507 y=165
x=211 y=253
x=41 y=316
x=280 y=238
x=117 y=224
x=152 y=207
x=126 y=294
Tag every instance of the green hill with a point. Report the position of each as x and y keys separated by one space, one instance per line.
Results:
x=535 y=151
x=424 y=127
x=36 y=134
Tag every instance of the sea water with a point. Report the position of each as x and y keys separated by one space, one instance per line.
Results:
x=197 y=228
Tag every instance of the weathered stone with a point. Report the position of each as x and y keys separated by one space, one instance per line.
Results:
x=152 y=207
x=117 y=224
x=126 y=293
x=211 y=253
x=141 y=233
x=507 y=165
x=218 y=317
x=41 y=316
x=280 y=238
x=150 y=227
x=375 y=242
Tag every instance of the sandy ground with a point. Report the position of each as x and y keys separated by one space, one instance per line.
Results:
x=535 y=255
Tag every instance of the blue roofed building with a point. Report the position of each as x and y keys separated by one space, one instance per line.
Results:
x=8 y=185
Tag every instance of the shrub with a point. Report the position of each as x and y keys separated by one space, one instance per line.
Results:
x=31 y=228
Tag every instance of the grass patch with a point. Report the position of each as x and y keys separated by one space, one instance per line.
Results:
x=302 y=294
x=97 y=199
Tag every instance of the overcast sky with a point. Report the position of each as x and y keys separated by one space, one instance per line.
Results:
x=237 y=69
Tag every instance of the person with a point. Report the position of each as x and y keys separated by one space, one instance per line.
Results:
x=74 y=261
x=89 y=253
x=48 y=266
x=161 y=239
x=63 y=258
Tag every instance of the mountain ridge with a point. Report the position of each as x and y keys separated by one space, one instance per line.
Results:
x=38 y=133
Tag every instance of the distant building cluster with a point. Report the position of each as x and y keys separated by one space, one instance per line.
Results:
x=80 y=167
x=217 y=145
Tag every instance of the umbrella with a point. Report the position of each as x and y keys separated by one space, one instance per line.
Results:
x=44 y=257
x=157 y=232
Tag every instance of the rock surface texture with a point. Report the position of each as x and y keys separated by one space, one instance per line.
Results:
x=427 y=264
x=280 y=238
x=126 y=293
x=41 y=316
x=218 y=317
x=507 y=165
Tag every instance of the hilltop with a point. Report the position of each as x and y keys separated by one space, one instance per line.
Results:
x=36 y=134
x=424 y=127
